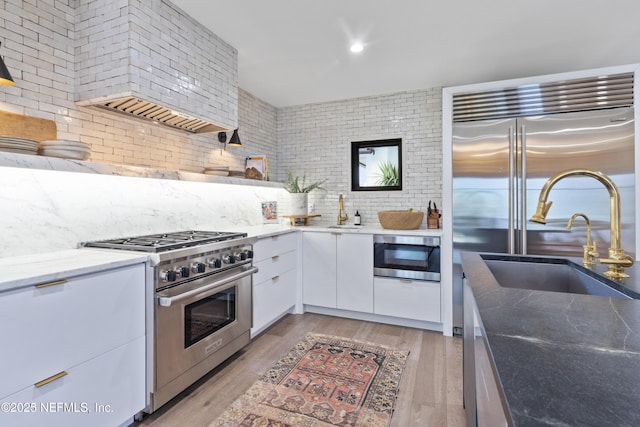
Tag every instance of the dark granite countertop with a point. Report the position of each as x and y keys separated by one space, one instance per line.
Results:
x=562 y=359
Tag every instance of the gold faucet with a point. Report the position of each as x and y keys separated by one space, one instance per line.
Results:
x=589 y=251
x=618 y=260
x=342 y=215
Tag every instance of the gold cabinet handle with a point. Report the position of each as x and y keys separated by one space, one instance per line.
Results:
x=275 y=257
x=275 y=278
x=46 y=285
x=51 y=379
x=406 y=281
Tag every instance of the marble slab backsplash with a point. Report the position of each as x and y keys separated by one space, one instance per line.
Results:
x=47 y=210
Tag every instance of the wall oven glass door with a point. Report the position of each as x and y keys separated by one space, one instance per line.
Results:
x=411 y=257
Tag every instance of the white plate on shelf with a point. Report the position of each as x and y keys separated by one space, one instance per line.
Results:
x=64 y=143
x=66 y=154
x=18 y=150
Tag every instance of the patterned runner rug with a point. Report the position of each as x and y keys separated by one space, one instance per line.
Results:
x=323 y=381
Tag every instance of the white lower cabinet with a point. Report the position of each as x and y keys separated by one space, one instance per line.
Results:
x=338 y=270
x=82 y=343
x=319 y=269
x=409 y=299
x=274 y=285
x=354 y=259
x=104 y=391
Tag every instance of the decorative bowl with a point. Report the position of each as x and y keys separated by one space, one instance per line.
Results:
x=400 y=220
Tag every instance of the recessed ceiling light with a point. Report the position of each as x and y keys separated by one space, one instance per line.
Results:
x=356 y=47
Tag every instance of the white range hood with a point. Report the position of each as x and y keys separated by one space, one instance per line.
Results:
x=152 y=61
x=139 y=108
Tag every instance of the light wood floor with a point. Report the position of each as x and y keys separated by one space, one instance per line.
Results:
x=430 y=390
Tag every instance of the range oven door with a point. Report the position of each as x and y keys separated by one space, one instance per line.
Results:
x=409 y=257
x=196 y=319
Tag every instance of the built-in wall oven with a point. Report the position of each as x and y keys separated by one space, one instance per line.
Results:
x=409 y=256
x=201 y=308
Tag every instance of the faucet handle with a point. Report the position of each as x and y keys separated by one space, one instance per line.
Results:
x=617 y=262
x=590 y=253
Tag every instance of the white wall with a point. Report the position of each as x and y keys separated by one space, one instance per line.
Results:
x=55 y=210
x=316 y=140
x=39 y=45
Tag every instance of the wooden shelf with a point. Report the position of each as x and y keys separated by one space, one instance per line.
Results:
x=300 y=219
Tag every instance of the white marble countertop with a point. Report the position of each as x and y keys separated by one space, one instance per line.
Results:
x=29 y=270
x=267 y=230
x=373 y=230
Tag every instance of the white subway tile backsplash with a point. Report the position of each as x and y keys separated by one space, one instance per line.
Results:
x=316 y=140
x=44 y=40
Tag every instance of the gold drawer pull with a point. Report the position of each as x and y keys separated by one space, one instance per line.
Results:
x=406 y=281
x=275 y=257
x=46 y=285
x=275 y=278
x=50 y=379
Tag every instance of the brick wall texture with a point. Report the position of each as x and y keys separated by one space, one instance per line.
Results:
x=60 y=51
x=316 y=140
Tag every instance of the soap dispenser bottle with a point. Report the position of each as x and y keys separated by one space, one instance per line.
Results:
x=357 y=220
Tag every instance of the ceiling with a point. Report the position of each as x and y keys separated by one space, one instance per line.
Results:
x=295 y=52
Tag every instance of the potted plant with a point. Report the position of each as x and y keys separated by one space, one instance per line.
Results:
x=299 y=190
x=388 y=175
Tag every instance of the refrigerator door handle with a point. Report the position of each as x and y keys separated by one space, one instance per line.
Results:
x=523 y=191
x=511 y=237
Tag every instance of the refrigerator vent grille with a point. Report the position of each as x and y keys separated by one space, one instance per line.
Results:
x=593 y=93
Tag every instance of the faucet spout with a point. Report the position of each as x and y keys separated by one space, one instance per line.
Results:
x=342 y=215
x=618 y=260
x=589 y=251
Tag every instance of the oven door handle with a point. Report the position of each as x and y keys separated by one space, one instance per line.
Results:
x=167 y=301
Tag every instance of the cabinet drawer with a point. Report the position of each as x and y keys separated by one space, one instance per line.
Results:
x=272 y=297
x=80 y=398
x=408 y=299
x=63 y=325
x=274 y=266
x=267 y=247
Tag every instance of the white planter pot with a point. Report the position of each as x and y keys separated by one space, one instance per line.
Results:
x=299 y=203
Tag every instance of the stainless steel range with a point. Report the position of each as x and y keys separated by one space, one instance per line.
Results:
x=202 y=303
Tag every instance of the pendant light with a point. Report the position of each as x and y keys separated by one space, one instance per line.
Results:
x=5 y=76
x=235 y=139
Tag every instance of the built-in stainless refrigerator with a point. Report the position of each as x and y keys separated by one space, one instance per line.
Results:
x=500 y=165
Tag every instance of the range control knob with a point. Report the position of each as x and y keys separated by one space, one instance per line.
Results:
x=198 y=267
x=168 y=275
x=183 y=271
x=229 y=259
x=249 y=253
x=214 y=263
x=243 y=255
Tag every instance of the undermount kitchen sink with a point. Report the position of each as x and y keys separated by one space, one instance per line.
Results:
x=547 y=274
x=346 y=227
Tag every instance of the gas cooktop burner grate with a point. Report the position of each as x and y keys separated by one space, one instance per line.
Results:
x=165 y=242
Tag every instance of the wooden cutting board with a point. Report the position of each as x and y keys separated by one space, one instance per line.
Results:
x=12 y=124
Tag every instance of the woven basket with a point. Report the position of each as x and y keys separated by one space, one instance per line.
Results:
x=400 y=220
